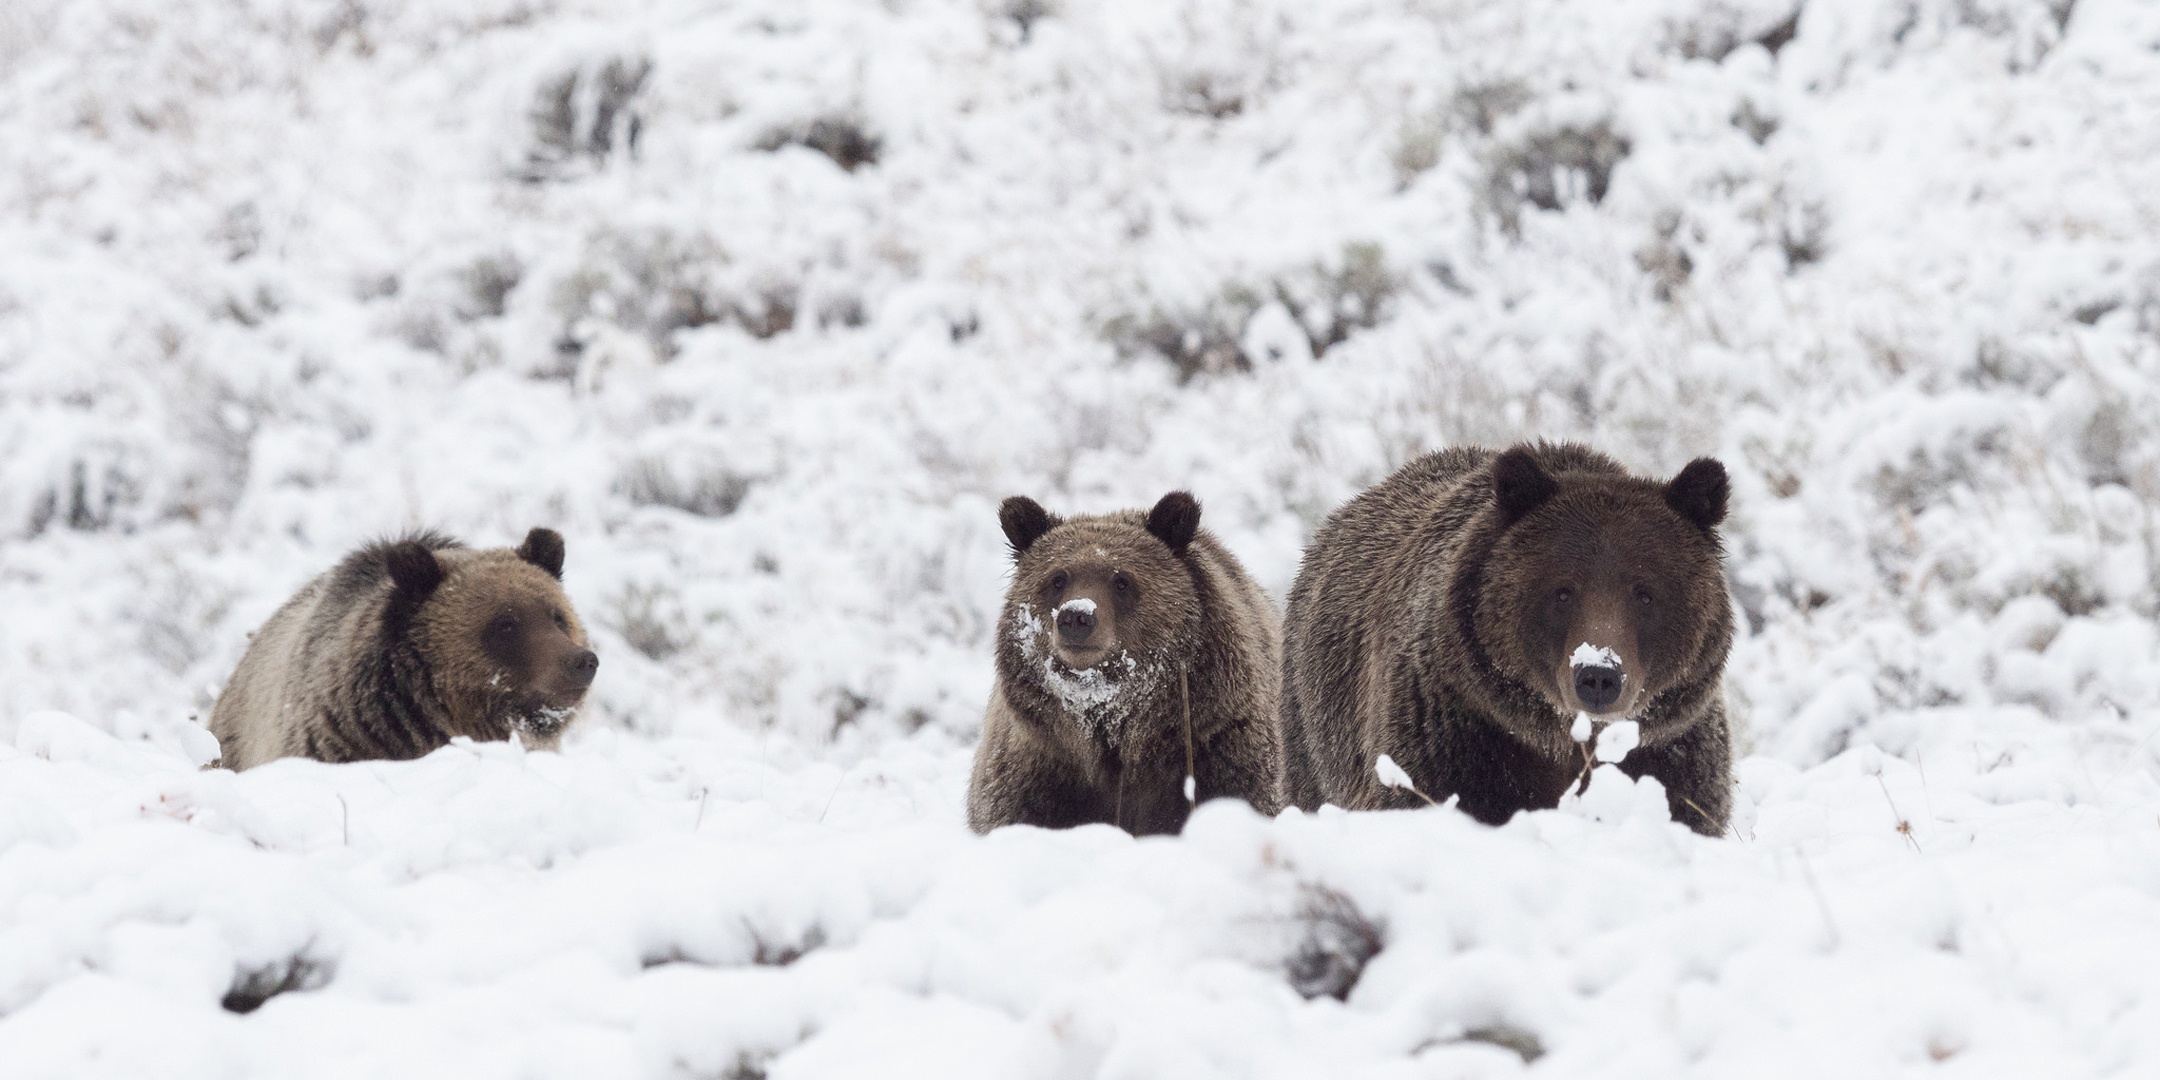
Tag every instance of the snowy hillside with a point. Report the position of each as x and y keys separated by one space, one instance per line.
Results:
x=766 y=304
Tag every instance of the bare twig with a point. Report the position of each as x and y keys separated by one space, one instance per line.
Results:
x=1392 y=775
x=1904 y=827
x=1192 y=784
x=1821 y=901
x=829 y=799
x=1729 y=830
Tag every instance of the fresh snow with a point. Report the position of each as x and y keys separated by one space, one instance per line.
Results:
x=278 y=276
x=1391 y=774
x=1618 y=738
x=1588 y=655
x=1080 y=604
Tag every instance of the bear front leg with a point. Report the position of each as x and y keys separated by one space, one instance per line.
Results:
x=1242 y=761
x=1696 y=770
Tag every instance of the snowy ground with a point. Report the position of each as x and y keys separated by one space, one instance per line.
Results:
x=766 y=304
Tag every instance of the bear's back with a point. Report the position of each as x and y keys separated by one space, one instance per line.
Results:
x=1240 y=620
x=269 y=684
x=301 y=666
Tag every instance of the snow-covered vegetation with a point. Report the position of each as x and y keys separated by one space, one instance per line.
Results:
x=764 y=304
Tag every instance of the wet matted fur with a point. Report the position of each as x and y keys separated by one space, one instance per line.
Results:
x=405 y=644
x=1090 y=723
x=1434 y=617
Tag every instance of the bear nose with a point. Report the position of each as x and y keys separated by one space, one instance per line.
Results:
x=581 y=665
x=1075 y=626
x=1597 y=686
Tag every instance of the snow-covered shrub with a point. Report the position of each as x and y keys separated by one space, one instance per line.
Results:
x=1714 y=29
x=656 y=281
x=582 y=114
x=846 y=138
x=1021 y=14
x=488 y=280
x=1549 y=167
x=1665 y=259
x=1201 y=342
x=1214 y=59
x=252 y=986
x=707 y=490
x=651 y=619
x=1351 y=292
x=1326 y=300
x=1336 y=940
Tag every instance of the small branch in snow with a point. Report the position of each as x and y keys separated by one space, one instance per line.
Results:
x=1904 y=827
x=1192 y=785
x=1697 y=807
x=1821 y=900
x=837 y=785
x=1392 y=776
x=1580 y=731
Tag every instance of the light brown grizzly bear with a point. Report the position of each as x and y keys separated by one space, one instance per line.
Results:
x=1133 y=652
x=405 y=644
x=1461 y=614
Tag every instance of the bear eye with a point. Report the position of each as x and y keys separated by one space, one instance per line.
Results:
x=562 y=623
x=1122 y=584
x=1058 y=581
x=502 y=627
x=1563 y=595
x=1642 y=596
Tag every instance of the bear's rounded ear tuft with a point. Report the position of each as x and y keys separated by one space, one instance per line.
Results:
x=1024 y=521
x=413 y=568
x=1175 y=519
x=1520 y=485
x=543 y=548
x=1699 y=493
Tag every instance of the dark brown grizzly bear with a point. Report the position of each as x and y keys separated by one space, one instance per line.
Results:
x=1460 y=615
x=405 y=644
x=1132 y=648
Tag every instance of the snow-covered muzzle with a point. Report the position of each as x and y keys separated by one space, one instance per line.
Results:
x=544 y=721
x=1102 y=689
x=1597 y=672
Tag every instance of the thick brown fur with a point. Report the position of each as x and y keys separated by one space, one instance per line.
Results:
x=1179 y=635
x=406 y=644
x=1434 y=617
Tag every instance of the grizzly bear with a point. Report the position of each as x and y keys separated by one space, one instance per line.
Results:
x=1133 y=653
x=405 y=644
x=1460 y=616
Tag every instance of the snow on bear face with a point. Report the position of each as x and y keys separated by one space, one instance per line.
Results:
x=1095 y=603
x=506 y=639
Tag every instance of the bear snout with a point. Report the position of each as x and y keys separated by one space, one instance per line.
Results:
x=580 y=667
x=1597 y=687
x=1075 y=625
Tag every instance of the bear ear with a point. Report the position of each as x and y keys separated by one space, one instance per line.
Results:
x=543 y=548
x=1519 y=485
x=413 y=568
x=1024 y=521
x=1699 y=493
x=1174 y=520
